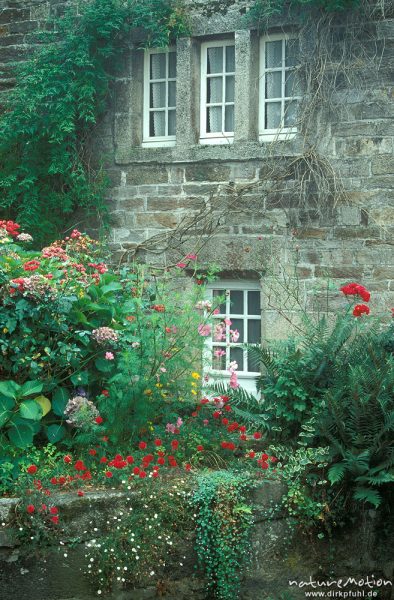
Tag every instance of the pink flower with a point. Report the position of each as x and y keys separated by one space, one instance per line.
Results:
x=233 y=383
x=216 y=311
x=109 y=356
x=228 y=322
x=219 y=353
x=191 y=256
x=181 y=265
x=234 y=335
x=219 y=333
x=179 y=422
x=204 y=330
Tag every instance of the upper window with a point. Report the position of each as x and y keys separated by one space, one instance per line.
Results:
x=279 y=89
x=217 y=92
x=160 y=97
x=238 y=322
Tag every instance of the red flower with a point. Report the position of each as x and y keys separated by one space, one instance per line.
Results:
x=360 y=309
x=142 y=445
x=225 y=421
x=200 y=448
x=158 y=442
x=227 y=407
x=54 y=481
x=130 y=459
x=92 y=452
x=80 y=493
x=136 y=470
x=243 y=437
x=30 y=508
x=355 y=289
x=204 y=401
x=87 y=475
x=62 y=480
x=264 y=456
x=188 y=467
x=158 y=307
x=55 y=520
x=67 y=459
x=105 y=393
x=32 y=469
x=31 y=265
x=174 y=444
x=194 y=414
x=242 y=428
x=161 y=460
x=142 y=474
x=257 y=435
x=252 y=454
x=216 y=414
x=53 y=510
x=155 y=474
x=108 y=474
x=103 y=459
x=99 y=420
x=79 y=466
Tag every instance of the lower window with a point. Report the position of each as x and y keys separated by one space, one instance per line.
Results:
x=237 y=322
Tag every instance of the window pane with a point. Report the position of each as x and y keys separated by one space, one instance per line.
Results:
x=219 y=359
x=236 y=302
x=215 y=60
x=273 y=85
x=254 y=331
x=230 y=88
x=273 y=54
x=272 y=115
x=219 y=294
x=157 y=123
x=253 y=363
x=171 y=93
x=172 y=64
x=254 y=303
x=238 y=355
x=238 y=325
x=230 y=59
x=229 y=119
x=292 y=51
x=291 y=84
x=157 y=95
x=214 y=119
x=158 y=66
x=214 y=89
x=171 y=122
x=290 y=113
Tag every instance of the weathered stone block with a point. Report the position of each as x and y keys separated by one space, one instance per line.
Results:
x=156 y=220
x=383 y=165
x=204 y=172
x=146 y=174
x=364 y=146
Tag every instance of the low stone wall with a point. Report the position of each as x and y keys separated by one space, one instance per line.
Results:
x=278 y=555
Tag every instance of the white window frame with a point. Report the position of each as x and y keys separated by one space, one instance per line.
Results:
x=148 y=140
x=216 y=137
x=281 y=133
x=246 y=379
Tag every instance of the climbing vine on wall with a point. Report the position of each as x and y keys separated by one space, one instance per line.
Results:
x=46 y=171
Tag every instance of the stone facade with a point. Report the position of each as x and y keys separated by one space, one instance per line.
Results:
x=343 y=235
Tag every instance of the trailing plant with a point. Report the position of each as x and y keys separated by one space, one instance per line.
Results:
x=224 y=519
x=262 y=10
x=61 y=92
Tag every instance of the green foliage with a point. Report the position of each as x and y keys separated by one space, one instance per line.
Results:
x=46 y=170
x=263 y=10
x=224 y=520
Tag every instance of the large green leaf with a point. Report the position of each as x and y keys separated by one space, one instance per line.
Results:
x=9 y=389
x=21 y=436
x=30 y=409
x=81 y=378
x=31 y=387
x=59 y=401
x=103 y=365
x=6 y=406
x=55 y=433
x=45 y=404
x=111 y=287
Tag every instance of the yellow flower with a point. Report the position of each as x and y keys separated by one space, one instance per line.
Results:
x=196 y=375
x=193 y=384
x=159 y=385
x=5 y=330
x=148 y=392
x=194 y=392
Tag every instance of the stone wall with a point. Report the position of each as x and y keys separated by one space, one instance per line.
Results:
x=279 y=554
x=157 y=191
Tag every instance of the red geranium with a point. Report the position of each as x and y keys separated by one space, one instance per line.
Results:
x=355 y=289
x=30 y=508
x=31 y=265
x=99 y=420
x=200 y=448
x=32 y=469
x=142 y=445
x=67 y=459
x=360 y=309
x=257 y=435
